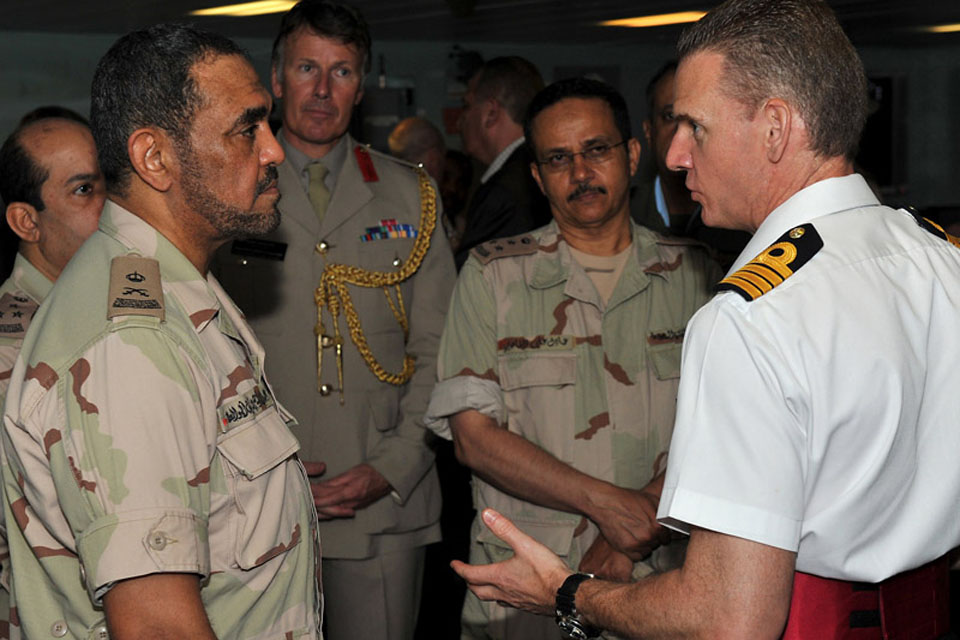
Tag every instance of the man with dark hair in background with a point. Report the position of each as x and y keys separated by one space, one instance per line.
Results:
x=53 y=191
x=507 y=202
x=150 y=481
x=348 y=296
x=662 y=201
x=813 y=461
x=561 y=356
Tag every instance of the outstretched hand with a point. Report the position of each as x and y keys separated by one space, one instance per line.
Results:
x=529 y=580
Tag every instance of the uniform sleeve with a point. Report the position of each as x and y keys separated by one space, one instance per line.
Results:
x=736 y=459
x=132 y=464
x=468 y=354
x=404 y=457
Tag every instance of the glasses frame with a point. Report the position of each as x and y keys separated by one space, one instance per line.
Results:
x=573 y=154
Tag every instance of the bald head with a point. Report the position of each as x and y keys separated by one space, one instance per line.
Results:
x=417 y=140
x=52 y=189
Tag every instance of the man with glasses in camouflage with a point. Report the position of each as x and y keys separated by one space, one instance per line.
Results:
x=561 y=355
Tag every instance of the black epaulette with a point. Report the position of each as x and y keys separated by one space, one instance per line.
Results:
x=931 y=226
x=778 y=262
x=504 y=247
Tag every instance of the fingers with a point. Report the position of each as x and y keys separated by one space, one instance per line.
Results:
x=504 y=529
x=329 y=512
x=314 y=468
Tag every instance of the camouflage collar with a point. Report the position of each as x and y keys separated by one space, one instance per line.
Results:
x=192 y=291
x=28 y=279
x=553 y=262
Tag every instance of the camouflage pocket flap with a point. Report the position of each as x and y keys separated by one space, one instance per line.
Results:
x=557 y=536
x=259 y=445
x=541 y=369
x=666 y=360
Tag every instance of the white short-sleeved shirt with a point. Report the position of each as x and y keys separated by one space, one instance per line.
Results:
x=821 y=417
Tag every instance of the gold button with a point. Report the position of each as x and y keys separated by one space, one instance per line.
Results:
x=326 y=341
x=796 y=233
x=397 y=262
x=322 y=246
x=325 y=390
x=243 y=261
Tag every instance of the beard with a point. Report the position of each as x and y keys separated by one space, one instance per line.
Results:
x=227 y=220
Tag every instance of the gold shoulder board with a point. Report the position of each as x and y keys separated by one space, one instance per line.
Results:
x=777 y=263
x=933 y=227
x=505 y=247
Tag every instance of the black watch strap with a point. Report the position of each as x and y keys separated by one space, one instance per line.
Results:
x=567 y=617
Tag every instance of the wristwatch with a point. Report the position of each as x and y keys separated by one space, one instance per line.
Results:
x=567 y=617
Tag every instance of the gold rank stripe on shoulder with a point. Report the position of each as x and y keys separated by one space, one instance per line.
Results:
x=135 y=288
x=505 y=247
x=778 y=262
x=934 y=228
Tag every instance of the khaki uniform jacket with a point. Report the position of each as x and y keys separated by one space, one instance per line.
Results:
x=20 y=296
x=379 y=423
x=530 y=343
x=140 y=444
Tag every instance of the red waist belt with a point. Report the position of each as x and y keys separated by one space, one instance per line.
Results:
x=913 y=605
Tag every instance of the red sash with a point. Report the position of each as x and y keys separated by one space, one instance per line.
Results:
x=913 y=605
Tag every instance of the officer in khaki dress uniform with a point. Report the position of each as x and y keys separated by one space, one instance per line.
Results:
x=360 y=237
x=150 y=481
x=561 y=356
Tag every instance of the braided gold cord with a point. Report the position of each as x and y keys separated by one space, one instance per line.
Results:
x=333 y=293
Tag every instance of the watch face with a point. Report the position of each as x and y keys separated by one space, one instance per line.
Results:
x=571 y=628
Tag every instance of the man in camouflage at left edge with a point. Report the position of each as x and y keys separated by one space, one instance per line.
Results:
x=53 y=192
x=150 y=478
x=560 y=359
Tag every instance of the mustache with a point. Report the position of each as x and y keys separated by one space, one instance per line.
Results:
x=585 y=188
x=268 y=179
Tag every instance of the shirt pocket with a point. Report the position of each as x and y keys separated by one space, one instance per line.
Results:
x=539 y=393
x=555 y=535
x=267 y=486
x=665 y=359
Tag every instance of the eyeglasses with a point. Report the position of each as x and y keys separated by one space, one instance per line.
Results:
x=594 y=155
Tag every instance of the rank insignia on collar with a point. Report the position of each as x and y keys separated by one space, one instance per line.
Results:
x=778 y=262
x=365 y=162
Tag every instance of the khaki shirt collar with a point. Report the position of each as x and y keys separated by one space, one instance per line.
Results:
x=28 y=279
x=192 y=291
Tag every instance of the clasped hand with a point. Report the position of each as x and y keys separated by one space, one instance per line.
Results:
x=343 y=495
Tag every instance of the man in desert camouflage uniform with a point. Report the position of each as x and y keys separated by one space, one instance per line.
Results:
x=144 y=451
x=53 y=192
x=561 y=355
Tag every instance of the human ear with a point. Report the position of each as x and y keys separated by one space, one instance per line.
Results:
x=275 y=83
x=152 y=156
x=535 y=172
x=777 y=119
x=24 y=220
x=633 y=154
